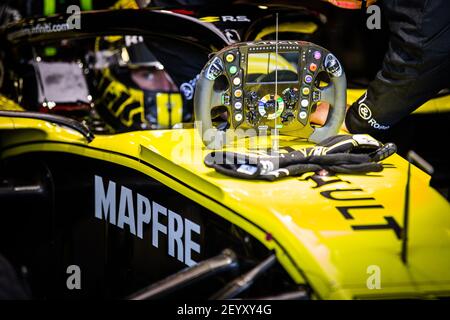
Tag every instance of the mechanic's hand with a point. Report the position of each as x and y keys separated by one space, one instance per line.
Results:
x=321 y=114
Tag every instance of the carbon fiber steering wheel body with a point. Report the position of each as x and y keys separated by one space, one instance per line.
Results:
x=264 y=90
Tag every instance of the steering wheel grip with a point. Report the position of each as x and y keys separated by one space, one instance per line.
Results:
x=337 y=111
x=212 y=138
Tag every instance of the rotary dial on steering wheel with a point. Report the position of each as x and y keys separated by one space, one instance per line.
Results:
x=271 y=107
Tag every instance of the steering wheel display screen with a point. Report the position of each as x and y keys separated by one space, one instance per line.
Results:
x=261 y=67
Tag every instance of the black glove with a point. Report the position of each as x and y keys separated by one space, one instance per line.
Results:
x=351 y=154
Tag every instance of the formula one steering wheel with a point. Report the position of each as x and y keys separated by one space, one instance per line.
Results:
x=257 y=101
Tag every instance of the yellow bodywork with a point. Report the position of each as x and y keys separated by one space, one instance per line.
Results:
x=9 y=105
x=307 y=27
x=314 y=242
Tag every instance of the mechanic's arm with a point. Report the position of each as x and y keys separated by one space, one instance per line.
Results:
x=415 y=68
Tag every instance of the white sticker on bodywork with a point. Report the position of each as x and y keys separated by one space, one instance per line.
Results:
x=128 y=210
